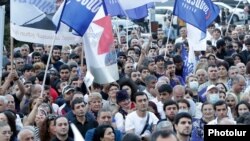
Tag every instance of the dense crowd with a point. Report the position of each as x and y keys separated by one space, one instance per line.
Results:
x=153 y=99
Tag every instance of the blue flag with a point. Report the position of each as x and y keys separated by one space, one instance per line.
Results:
x=79 y=14
x=199 y=13
x=114 y=9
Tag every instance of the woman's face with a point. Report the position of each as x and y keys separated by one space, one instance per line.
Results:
x=230 y=100
x=108 y=135
x=112 y=91
x=242 y=109
x=208 y=111
x=128 y=89
x=52 y=129
x=3 y=117
x=222 y=71
x=221 y=87
x=5 y=133
x=237 y=60
x=40 y=117
x=222 y=96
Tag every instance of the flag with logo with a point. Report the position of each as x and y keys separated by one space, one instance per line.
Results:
x=79 y=14
x=101 y=55
x=189 y=61
x=114 y=9
x=200 y=13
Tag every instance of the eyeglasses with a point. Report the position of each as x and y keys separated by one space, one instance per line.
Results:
x=52 y=117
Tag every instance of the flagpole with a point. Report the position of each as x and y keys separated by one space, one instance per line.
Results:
x=170 y=24
x=2 y=19
x=47 y=65
x=231 y=17
x=11 y=53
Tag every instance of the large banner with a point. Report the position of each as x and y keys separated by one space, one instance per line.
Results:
x=31 y=21
x=2 y=15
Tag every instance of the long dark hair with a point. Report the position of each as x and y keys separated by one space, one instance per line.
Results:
x=11 y=117
x=100 y=130
x=44 y=129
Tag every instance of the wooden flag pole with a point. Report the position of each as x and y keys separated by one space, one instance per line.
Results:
x=231 y=17
x=47 y=65
x=11 y=53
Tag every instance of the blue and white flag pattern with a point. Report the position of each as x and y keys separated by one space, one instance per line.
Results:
x=79 y=14
x=199 y=13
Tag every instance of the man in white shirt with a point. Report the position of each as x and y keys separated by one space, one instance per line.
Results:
x=141 y=122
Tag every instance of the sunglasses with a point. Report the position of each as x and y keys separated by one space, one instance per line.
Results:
x=52 y=116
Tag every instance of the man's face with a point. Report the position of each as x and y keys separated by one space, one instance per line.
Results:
x=65 y=55
x=105 y=118
x=239 y=87
x=11 y=102
x=79 y=109
x=160 y=34
x=128 y=68
x=68 y=96
x=171 y=69
x=171 y=111
x=142 y=103
x=73 y=72
x=36 y=59
x=201 y=76
x=136 y=76
x=232 y=73
x=56 y=55
x=131 y=53
x=39 y=49
x=184 y=126
x=213 y=73
x=242 y=68
x=64 y=74
x=164 y=96
x=62 y=126
x=178 y=94
x=152 y=67
x=9 y=68
x=144 y=73
x=24 y=51
x=19 y=63
x=221 y=111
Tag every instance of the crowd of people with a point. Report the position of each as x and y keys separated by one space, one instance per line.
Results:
x=152 y=100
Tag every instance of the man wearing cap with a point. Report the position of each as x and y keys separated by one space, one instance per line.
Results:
x=123 y=100
x=212 y=96
x=64 y=100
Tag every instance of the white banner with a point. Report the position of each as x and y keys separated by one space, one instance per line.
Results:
x=31 y=24
x=2 y=15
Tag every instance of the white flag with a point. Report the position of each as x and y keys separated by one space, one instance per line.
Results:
x=131 y=4
x=77 y=134
x=88 y=79
x=194 y=35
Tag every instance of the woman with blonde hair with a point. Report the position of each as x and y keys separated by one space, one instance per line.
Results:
x=232 y=101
